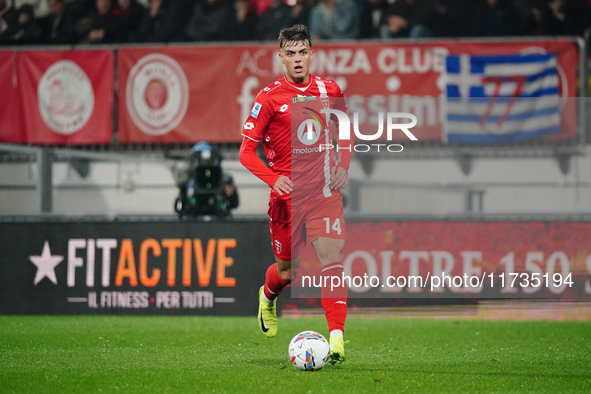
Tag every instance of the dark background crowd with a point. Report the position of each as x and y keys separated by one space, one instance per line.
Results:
x=35 y=22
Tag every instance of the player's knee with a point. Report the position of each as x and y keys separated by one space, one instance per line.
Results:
x=286 y=274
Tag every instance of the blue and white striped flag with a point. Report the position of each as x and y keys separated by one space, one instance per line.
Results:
x=501 y=98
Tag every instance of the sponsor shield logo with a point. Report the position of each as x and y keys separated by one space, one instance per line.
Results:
x=65 y=97
x=157 y=94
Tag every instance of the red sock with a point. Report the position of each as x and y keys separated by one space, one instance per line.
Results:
x=334 y=299
x=274 y=285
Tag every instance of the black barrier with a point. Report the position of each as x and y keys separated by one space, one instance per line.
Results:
x=133 y=268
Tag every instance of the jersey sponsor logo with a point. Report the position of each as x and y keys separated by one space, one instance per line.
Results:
x=256 y=108
x=65 y=97
x=248 y=126
x=309 y=132
x=302 y=99
x=283 y=108
x=157 y=94
x=304 y=151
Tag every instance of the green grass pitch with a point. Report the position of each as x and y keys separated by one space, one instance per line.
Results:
x=225 y=354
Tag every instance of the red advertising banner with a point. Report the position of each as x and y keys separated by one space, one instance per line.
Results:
x=133 y=268
x=67 y=97
x=461 y=259
x=187 y=94
x=11 y=117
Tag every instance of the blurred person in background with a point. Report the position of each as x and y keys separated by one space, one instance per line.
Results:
x=460 y=15
x=24 y=30
x=208 y=20
x=241 y=22
x=371 y=17
x=128 y=14
x=275 y=18
x=334 y=20
x=561 y=17
x=300 y=12
x=99 y=26
x=408 y=19
x=40 y=7
x=162 y=22
x=6 y=16
x=57 y=27
x=443 y=24
x=498 y=18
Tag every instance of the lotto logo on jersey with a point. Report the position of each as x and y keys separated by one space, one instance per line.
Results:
x=248 y=126
x=255 y=110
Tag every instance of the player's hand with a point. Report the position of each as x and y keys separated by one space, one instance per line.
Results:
x=339 y=179
x=283 y=185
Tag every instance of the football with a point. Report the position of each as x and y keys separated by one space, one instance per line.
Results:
x=309 y=351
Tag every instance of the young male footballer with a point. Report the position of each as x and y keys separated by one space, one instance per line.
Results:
x=305 y=181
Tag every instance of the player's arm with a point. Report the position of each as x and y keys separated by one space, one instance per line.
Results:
x=249 y=159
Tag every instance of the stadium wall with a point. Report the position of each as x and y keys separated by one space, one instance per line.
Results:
x=396 y=186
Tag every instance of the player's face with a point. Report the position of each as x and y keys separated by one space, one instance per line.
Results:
x=296 y=57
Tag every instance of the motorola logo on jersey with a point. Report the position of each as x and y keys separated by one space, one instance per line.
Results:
x=309 y=132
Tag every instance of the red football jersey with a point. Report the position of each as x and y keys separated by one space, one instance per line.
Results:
x=286 y=118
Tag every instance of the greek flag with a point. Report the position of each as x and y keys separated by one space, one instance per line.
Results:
x=501 y=98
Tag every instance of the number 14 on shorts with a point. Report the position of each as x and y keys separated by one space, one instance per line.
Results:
x=336 y=225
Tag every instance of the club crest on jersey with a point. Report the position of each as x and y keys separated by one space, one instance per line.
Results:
x=302 y=99
x=255 y=110
x=325 y=100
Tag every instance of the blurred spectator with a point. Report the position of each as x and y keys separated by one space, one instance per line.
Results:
x=160 y=22
x=78 y=9
x=207 y=21
x=40 y=7
x=128 y=14
x=371 y=18
x=334 y=20
x=24 y=30
x=99 y=26
x=532 y=17
x=276 y=17
x=6 y=16
x=259 y=6
x=442 y=25
x=300 y=12
x=230 y=191
x=460 y=14
x=57 y=27
x=408 y=19
x=498 y=18
x=241 y=22
x=564 y=17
